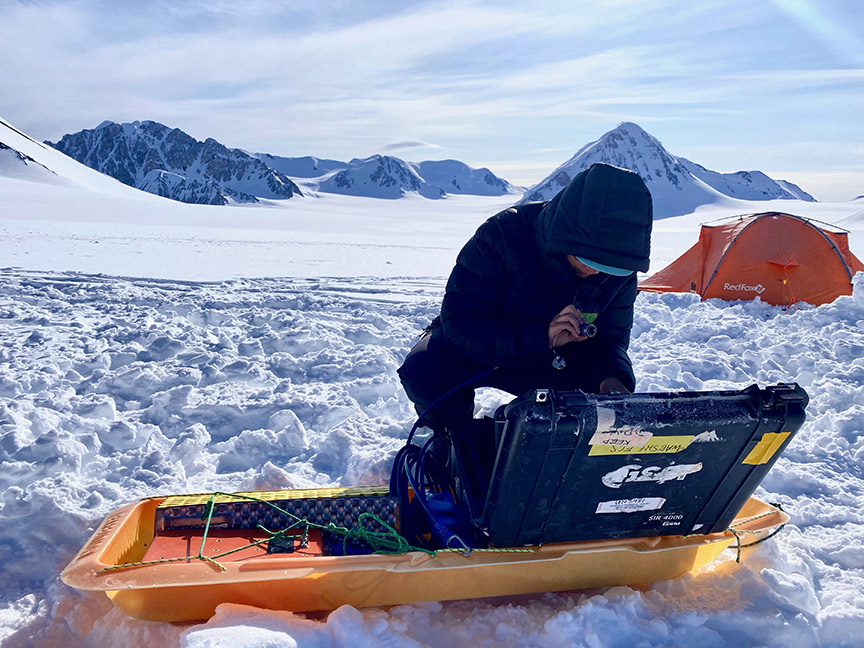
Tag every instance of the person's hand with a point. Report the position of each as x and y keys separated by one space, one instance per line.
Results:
x=566 y=327
x=612 y=385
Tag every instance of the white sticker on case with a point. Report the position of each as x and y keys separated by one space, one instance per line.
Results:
x=627 y=437
x=605 y=419
x=631 y=505
x=640 y=473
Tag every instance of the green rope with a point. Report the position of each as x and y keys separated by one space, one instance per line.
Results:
x=387 y=541
x=739 y=533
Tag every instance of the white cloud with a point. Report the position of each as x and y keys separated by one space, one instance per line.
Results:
x=407 y=144
x=793 y=79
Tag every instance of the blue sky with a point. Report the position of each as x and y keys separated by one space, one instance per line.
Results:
x=775 y=85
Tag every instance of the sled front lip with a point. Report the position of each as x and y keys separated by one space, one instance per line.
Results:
x=191 y=590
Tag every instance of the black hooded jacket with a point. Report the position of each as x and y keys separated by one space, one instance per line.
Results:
x=512 y=277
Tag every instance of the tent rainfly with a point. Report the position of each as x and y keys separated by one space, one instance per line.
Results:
x=780 y=258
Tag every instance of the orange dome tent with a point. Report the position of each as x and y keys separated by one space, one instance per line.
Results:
x=778 y=257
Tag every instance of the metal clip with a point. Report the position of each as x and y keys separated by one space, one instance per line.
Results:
x=558 y=362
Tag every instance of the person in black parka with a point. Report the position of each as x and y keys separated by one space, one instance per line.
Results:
x=523 y=288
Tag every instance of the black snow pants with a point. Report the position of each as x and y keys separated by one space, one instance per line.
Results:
x=434 y=367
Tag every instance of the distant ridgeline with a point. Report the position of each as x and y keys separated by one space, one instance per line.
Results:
x=677 y=185
x=168 y=162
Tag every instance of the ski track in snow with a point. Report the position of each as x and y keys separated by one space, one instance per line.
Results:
x=113 y=389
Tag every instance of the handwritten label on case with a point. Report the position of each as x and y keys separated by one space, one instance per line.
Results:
x=654 y=445
x=627 y=437
x=631 y=505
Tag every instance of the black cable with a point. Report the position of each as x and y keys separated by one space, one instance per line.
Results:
x=411 y=474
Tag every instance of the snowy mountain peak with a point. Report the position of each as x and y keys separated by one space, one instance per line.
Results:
x=457 y=177
x=394 y=177
x=197 y=172
x=677 y=185
x=630 y=130
x=630 y=147
x=380 y=176
x=629 y=126
x=380 y=159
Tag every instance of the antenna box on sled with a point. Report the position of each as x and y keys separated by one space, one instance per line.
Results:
x=572 y=466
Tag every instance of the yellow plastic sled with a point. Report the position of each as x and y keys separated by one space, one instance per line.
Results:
x=187 y=588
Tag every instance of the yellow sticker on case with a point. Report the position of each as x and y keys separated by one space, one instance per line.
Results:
x=767 y=447
x=654 y=445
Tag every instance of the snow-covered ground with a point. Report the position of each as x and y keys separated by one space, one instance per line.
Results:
x=115 y=389
x=238 y=348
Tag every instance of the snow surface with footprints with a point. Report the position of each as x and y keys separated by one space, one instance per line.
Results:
x=113 y=389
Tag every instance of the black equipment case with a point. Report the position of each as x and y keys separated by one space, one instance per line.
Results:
x=573 y=466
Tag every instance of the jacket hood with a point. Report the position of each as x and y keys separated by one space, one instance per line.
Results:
x=605 y=214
